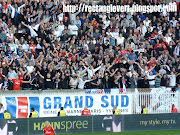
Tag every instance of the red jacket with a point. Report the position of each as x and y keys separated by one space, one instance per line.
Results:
x=86 y=112
x=174 y=110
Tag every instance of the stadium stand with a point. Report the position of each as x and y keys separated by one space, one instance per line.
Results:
x=41 y=47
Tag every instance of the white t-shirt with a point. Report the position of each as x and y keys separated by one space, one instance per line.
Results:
x=10 y=36
x=32 y=30
x=12 y=75
x=106 y=23
x=130 y=73
x=60 y=17
x=146 y=23
x=2 y=110
x=82 y=83
x=57 y=33
x=38 y=46
x=91 y=72
x=60 y=29
x=120 y=40
x=172 y=80
x=168 y=39
x=108 y=33
x=103 y=17
x=174 y=22
x=73 y=82
x=25 y=47
x=115 y=34
x=153 y=81
x=71 y=30
x=30 y=68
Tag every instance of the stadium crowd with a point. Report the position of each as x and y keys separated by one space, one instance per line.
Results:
x=43 y=48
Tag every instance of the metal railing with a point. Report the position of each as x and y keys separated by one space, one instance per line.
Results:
x=155 y=103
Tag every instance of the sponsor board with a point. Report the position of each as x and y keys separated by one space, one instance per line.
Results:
x=91 y=124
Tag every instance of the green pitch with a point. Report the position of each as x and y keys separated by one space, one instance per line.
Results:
x=164 y=132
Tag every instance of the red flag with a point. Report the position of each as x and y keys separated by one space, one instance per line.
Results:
x=22 y=107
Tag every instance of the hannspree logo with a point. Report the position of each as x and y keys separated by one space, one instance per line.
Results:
x=63 y=125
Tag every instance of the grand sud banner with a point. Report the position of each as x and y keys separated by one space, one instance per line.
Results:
x=49 y=105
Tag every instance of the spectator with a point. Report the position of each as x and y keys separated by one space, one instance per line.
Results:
x=7 y=115
x=17 y=82
x=142 y=29
x=132 y=56
x=164 y=80
x=61 y=112
x=144 y=110
x=116 y=111
x=174 y=109
x=151 y=79
x=33 y=113
x=73 y=83
x=1 y=111
x=85 y=112
x=73 y=29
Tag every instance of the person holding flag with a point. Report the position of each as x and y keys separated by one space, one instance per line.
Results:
x=122 y=83
x=1 y=111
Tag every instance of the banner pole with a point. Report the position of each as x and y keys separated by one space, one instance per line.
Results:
x=28 y=126
x=92 y=124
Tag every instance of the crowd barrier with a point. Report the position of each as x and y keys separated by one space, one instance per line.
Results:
x=91 y=124
x=98 y=101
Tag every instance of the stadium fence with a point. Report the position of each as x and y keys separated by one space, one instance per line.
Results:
x=91 y=124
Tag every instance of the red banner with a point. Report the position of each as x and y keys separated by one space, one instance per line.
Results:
x=22 y=107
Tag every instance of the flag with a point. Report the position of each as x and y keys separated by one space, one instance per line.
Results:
x=123 y=89
x=20 y=107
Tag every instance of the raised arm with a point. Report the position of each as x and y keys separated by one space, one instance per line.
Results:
x=96 y=69
x=84 y=74
x=25 y=24
x=177 y=74
x=152 y=68
x=26 y=81
x=138 y=66
x=110 y=65
x=19 y=8
x=13 y=10
x=112 y=74
x=10 y=62
x=40 y=74
x=97 y=84
x=159 y=74
x=117 y=78
x=41 y=22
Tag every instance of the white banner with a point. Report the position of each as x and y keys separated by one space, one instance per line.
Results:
x=49 y=105
x=158 y=100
